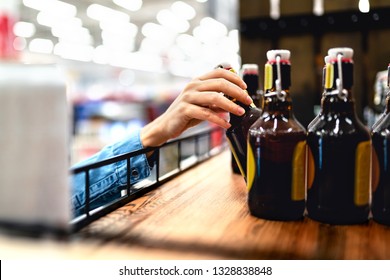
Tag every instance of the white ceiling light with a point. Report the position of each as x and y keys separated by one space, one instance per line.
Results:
x=210 y=31
x=170 y=20
x=74 y=51
x=183 y=10
x=100 y=12
x=24 y=29
x=40 y=45
x=131 y=5
x=364 y=6
x=54 y=7
x=126 y=29
x=19 y=43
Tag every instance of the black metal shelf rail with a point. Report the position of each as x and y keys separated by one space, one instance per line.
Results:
x=206 y=144
x=346 y=21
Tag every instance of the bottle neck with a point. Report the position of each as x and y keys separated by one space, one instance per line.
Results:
x=275 y=104
x=332 y=102
x=236 y=119
x=277 y=101
x=337 y=97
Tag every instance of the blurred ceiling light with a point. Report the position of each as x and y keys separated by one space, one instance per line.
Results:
x=202 y=1
x=364 y=6
x=24 y=29
x=139 y=61
x=210 y=30
x=74 y=51
x=40 y=45
x=318 y=7
x=131 y=5
x=19 y=43
x=170 y=20
x=127 y=29
x=117 y=42
x=274 y=9
x=100 y=12
x=189 y=44
x=183 y=10
x=153 y=30
x=52 y=6
x=79 y=35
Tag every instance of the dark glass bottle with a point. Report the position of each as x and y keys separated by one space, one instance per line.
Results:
x=250 y=75
x=324 y=92
x=381 y=169
x=237 y=133
x=339 y=151
x=277 y=149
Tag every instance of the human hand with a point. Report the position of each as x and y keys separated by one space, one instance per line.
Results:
x=200 y=100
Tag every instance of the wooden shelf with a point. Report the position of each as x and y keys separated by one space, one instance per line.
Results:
x=203 y=214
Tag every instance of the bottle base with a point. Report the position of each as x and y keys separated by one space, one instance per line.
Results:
x=359 y=217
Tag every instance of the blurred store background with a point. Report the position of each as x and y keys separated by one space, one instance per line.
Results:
x=126 y=60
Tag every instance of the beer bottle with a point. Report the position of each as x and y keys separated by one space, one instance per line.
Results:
x=325 y=90
x=237 y=133
x=339 y=151
x=381 y=170
x=276 y=149
x=250 y=75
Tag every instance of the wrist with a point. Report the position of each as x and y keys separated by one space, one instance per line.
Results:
x=151 y=135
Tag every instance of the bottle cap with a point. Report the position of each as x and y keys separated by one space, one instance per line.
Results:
x=248 y=69
x=272 y=54
x=327 y=59
x=224 y=65
x=346 y=52
x=250 y=66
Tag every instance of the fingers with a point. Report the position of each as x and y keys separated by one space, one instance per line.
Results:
x=206 y=114
x=214 y=101
x=224 y=81
x=222 y=73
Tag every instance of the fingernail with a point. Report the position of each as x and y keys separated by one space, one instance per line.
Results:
x=240 y=111
x=249 y=99
x=244 y=85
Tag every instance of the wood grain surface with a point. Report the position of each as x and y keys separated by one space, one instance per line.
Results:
x=202 y=214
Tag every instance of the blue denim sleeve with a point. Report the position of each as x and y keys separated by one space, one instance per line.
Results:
x=107 y=182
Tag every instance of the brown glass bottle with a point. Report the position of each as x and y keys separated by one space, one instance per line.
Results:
x=237 y=133
x=250 y=75
x=380 y=134
x=339 y=151
x=276 y=149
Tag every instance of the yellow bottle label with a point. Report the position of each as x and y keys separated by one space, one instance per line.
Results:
x=310 y=168
x=250 y=167
x=329 y=75
x=362 y=173
x=236 y=158
x=267 y=76
x=298 y=187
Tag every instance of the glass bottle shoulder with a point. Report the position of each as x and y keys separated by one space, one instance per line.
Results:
x=337 y=125
x=276 y=124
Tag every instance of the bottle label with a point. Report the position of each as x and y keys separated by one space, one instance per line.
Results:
x=329 y=76
x=298 y=171
x=310 y=167
x=268 y=77
x=250 y=166
x=362 y=173
x=236 y=157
